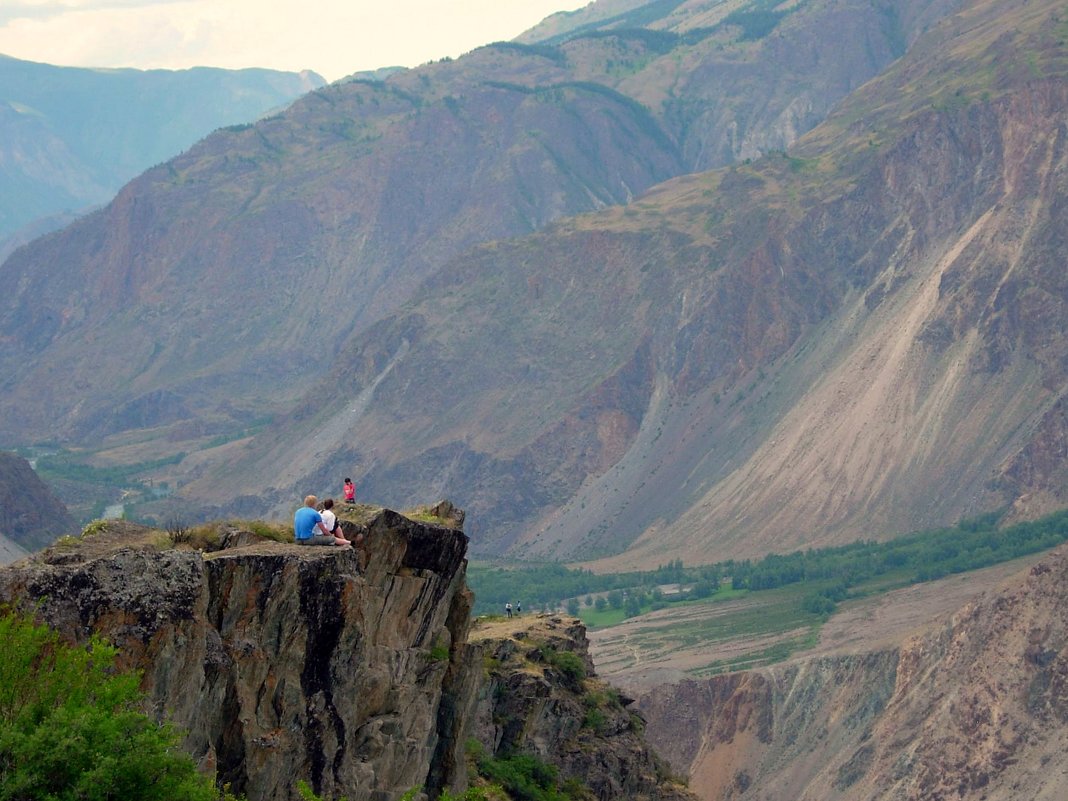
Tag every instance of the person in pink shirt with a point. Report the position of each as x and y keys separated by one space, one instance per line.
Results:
x=350 y=491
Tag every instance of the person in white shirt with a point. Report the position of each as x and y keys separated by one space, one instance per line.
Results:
x=330 y=521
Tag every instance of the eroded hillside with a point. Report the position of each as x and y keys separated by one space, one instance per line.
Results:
x=218 y=287
x=31 y=514
x=862 y=337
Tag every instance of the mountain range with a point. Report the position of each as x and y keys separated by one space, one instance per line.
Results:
x=660 y=280
x=71 y=137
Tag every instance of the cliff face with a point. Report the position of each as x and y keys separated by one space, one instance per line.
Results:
x=345 y=668
x=281 y=662
x=541 y=697
x=973 y=709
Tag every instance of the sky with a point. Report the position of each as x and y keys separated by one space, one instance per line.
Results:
x=332 y=37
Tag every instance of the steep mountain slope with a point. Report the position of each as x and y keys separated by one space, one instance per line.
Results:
x=70 y=137
x=860 y=338
x=216 y=286
x=31 y=515
x=971 y=708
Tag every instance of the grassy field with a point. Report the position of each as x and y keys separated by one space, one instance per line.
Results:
x=738 y=629
x=730 y=630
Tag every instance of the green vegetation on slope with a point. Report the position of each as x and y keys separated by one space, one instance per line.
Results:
x=71 y=729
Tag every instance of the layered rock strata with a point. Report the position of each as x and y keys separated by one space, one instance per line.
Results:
x=282 y=663
x=348 y=669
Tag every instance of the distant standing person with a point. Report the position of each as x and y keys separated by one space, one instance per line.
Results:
x=519 y=607
x=307 y=520
x=350 y=491
x=508 y=609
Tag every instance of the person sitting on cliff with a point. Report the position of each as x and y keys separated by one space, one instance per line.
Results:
x=330 y=521
x=306 y=520
x=350 y=491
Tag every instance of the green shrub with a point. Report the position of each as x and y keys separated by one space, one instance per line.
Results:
x=595 y=719
x=819 y=605
x=568 y=663
x=71 y=728
x=523 y=777
x=269 y=531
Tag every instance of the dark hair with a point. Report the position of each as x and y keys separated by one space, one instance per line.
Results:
x=328 y=503
x=348 y=480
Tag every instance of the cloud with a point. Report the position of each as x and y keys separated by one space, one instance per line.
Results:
x=332 y=37
x=50 y=9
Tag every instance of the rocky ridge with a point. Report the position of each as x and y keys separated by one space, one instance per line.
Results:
x=542 y=697
x=350 y=669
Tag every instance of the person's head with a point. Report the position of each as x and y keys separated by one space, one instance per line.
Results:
x=328 y=503
x=310 y=501
x=348 y=480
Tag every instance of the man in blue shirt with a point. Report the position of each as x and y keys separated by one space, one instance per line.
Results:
x=306 y=520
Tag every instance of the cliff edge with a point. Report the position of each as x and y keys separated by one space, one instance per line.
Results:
x=280 y=662
x=348 y=668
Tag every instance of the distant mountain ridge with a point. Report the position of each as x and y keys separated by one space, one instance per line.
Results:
x=817 y=347
x=859 y=336
x=70 y=137
x=363 y=189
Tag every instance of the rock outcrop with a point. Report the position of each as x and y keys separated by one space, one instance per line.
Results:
x=281 y=662
x=974 y=708
x=542 y=698
x=349 y=669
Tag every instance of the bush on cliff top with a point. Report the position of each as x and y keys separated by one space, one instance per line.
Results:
x=71 y=729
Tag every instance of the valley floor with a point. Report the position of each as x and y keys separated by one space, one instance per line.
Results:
x=696 y=640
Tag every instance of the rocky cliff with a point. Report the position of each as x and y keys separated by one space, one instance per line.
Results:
x=349 y=669
x=541 y=697
x=972 y=708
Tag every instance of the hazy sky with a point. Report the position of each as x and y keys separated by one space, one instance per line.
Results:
x=332 y=37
